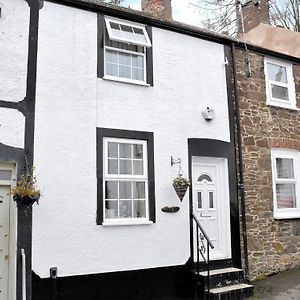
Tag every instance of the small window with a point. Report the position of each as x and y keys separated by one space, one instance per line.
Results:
x=125 y=51
x=125 y=177
x=204 y=177
x=280 y=85
x=285 y=183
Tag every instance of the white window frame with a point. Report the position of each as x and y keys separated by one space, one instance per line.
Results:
x=125 y=177
x=128 y=41
x=290 y=85
x=286 y=213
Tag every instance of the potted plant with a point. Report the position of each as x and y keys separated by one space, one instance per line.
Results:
x=181 y=185
x=26 y=191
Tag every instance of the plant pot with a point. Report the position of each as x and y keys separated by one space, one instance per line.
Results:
x=26 y=200
x=180 y=190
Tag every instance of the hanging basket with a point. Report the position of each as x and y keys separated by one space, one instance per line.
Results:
x=26 y=200
x=180 y=190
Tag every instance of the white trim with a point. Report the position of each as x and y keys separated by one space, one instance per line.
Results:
x=108 y=223
x=286 y=213
x=123 y=39
x=290 y=85
x=12 y=232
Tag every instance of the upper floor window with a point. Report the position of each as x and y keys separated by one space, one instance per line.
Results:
x=285 y=165
x=280 y=87
x=125 y=51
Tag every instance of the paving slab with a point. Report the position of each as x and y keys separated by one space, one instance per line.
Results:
x=282 y=286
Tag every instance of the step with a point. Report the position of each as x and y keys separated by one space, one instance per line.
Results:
x=221 y=277
x=235 y=291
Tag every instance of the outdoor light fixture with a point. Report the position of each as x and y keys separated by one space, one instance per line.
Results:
x=208 y=114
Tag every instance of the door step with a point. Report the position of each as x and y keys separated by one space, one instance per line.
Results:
x=228 y=283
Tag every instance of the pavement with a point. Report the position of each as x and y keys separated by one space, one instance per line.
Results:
x=282 y=286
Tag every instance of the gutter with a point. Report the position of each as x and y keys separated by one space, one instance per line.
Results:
x=241 y=167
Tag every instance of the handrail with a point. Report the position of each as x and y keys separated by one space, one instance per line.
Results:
x=203 y=231
x=201 y=249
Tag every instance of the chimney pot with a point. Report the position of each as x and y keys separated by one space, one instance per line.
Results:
x=159 y=8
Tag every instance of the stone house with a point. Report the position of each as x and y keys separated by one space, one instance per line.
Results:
x=268 y=84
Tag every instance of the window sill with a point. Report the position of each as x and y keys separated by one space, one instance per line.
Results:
x=279 y=105
x=126 y=223
x=124 y=80
x=287 y=215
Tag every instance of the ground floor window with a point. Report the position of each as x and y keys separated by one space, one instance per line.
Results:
x=125 y=171
x=285 y=166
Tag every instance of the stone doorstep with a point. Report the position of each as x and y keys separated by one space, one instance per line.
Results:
x=220 y=271
x=235 y=287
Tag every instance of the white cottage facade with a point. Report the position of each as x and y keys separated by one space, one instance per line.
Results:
x=110 y=97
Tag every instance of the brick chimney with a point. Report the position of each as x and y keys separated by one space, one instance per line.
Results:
x=159 y=8
x=255 y=12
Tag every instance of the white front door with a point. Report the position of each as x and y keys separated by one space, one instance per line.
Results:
x=7 y=235
x=211 y=202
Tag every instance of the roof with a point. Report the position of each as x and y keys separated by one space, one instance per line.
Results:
x=151 y=20
x=275 y=38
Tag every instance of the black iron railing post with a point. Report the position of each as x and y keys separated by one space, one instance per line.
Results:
x=208 y=271
x=198 y=258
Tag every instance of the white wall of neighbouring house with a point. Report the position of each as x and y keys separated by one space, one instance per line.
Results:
x=189 y=75
x=14 y=28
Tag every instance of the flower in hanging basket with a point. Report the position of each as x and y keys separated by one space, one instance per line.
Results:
x=26 y=191
x=181 y=185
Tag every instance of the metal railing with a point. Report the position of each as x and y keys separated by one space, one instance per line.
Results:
x=203 y=246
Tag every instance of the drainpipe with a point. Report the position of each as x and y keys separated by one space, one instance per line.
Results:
x=241 y=168
x=23 y=274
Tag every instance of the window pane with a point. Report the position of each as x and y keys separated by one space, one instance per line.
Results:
x=138 y=168
x=125 y=209
x=114 y=26
x=125 y=150
x=286 y=195
x=125 y=72
x=112 y=166
x=138 y=151
x=124 y=189
x=138 y=61
x=138 y=190
x=137 y=74
x=204 y=177
x=284 y=167
x=113 y=150
x=112 y=69
x=139 y=209
x=5 y=175
x=211 y=199
x=126 y=166
x=199 y=200
x=277 y=73
x=111 y=190
x=111 y=209
x=111 y=56
x=124 y=59
x=280 y=92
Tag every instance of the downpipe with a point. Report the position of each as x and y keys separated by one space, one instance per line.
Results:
x=241 y=168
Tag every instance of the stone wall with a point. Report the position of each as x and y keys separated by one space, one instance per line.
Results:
x=273 y=245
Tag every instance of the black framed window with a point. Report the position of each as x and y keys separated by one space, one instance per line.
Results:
x=124 y=51
x=125 y=177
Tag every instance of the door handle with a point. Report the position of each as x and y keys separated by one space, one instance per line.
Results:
x=205 y=215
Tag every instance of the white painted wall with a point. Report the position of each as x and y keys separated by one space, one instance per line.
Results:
x=189 y=75
x=12 y=124
x=14 y=27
